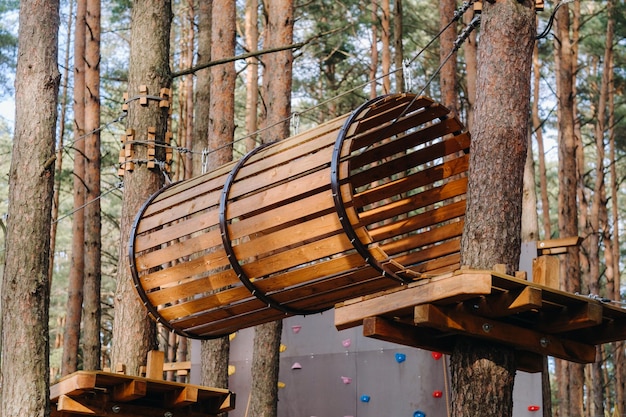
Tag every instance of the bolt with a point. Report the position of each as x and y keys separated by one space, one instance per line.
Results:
x=168 y=414
x=544 y=342
x=487 y=327
x=116 y=409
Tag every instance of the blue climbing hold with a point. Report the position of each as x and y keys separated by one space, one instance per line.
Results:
x=365 y=398
x=419 y=413
x=400 y=357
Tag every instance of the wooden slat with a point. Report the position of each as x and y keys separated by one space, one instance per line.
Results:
x=449 y=190
x=442 y=289
x=429 y=237
x=579 y=317
x=422 y=260
x=507 y=303
x=404 y=144
x=408 y=183
x=522 y=338
x=73 y=385
x=419 y=221
x=183 y=397
x=390 y=109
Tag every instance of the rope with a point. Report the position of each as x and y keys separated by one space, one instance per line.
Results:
x=118 y=186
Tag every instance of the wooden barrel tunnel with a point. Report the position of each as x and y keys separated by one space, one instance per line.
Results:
x=357 y=205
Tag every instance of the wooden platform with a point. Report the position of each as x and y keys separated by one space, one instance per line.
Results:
x=106 y=394
x=535 y=319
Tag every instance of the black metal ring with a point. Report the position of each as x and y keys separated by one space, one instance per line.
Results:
x=228 y=248
x=340 y=206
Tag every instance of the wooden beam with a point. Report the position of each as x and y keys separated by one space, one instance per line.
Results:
x=557 y=246
x=449 y=288
x=403 y=334
x=129 y=391
x=69 y=405
x=73 y=385
x=183 y=397
x=462 y=322
x=154 y=365
x=588 y=314
x=177 y=366
x=506 y=303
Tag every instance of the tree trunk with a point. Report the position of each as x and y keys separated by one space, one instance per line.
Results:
x=447 y=75
x=25 y=289
x=469 y=51
x=386 y=45
x=69 y=361
x=203 y=86
x=133 y=332
x=538 y=130
x=569 y=376
x=374 y=50
x=277 y=89
x=492 y=231
x=397 y=43
x=221 y=130
x=252 y=72
x=91 y=292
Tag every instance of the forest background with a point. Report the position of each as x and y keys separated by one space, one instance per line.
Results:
x=345 y=50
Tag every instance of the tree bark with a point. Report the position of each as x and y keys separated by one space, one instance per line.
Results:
x=374 y=50
x=69 y=361
x=397 y=42
x=470 y=48
x=538 y=130
x=203 y=86
x=221 y=130
x=252 y=73
x=93 y=244
x=133 y=332
x=386 y=45
x=492 y=231
x=569 y=376
x=25 y=289
x=447 y=75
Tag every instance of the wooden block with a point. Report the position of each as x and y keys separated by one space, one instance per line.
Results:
x=143 y=91
x=154 y=365
x=120 y=368
x=186 y=396
x=500 y=268
x=125 y=104
x=556 y=246
x=129 y=391
x=576 y=317
x=70 y=405
x=521 y=275
x=75 y=384
x=546 y=271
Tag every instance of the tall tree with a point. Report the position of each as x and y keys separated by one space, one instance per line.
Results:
x=569 y=378
x=482 y=373
x=385 y=25
x=25 y=287
x=221 y=131
x=252 y=72
x=447 y=76
x=276 y=115
x=93 y=244
x=397 y=44
x=133 y=331
x=203 y=86
x=69 y=361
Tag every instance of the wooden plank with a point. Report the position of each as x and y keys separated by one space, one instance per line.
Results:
x=387 y=110
x=74 y=384
x=424 y=259
x=546 y=271
x=544 y=246
x=406 y=335
x=129 y=390
x=418 y=221
x=507 y=303
x=450 y=189
x=183 y=397
x=177 y=366
x=154 y=364
x=412 y=181
x=70 y=405
x=351 y=315
x=436 y=234
x=461 y=321
x=398 y=152
x=575 y=317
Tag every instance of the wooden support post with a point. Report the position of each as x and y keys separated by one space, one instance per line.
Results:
x=69 y=405
x=154 y=365
x=546 y=271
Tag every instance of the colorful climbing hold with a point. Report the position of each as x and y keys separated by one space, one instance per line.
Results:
x=231 y=370
x=296 y=365
x=282 y=348
x=436 y=355
x=346 y=379
x=400 y=357
x=365 y=398
x=533 y=408
x=346 y=343
x=437 y=394
x=281 y=384
x=296 y=328
x=419 y=413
